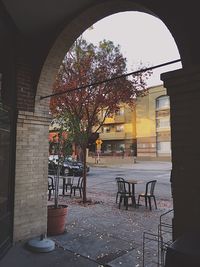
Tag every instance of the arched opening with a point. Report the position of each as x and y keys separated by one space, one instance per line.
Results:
x=67 y=38
x=43 y=84
x=32 y=33
x=50 y=79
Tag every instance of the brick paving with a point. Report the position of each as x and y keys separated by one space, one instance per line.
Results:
x=108 y=235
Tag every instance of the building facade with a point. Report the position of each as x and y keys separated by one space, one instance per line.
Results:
x=143 y=131
x=153 y=132
x=118 y=133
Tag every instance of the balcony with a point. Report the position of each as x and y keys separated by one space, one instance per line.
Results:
x=130 y=135
x=119 y=119
x=115 y=119
x=112 y=136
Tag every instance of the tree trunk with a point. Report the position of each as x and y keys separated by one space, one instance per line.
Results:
x=84 y=176
x=56 y=177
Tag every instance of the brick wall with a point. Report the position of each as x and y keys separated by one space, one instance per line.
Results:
x=30 y=210
x=32 y=147
x=24 y=79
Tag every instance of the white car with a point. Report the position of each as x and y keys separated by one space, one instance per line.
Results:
x=54 y=158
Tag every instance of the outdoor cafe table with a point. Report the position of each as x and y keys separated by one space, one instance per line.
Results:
x=133 y=182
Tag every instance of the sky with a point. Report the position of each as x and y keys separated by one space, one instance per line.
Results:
x=142 y=38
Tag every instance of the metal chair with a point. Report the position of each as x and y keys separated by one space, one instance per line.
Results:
x=125 y=193
x=118 y=186
x=149 y=194
x=163 y=238
x=69 y=183
x=51 y=186
x=78 y=186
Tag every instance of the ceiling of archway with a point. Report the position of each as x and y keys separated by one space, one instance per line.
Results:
x=39 y=15
x=33 y=17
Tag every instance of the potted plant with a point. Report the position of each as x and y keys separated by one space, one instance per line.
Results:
x=56 y=216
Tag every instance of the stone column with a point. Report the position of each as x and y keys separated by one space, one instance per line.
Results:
x=183 y=87
x=30 y=211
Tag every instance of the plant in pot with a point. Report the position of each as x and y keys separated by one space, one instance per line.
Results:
x=56 y=216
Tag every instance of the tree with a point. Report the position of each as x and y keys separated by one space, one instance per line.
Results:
x=61 y=142
x=85 y=64
x=54 y=139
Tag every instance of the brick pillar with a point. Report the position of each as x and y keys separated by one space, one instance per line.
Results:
x=30 y=216
x=183 y=87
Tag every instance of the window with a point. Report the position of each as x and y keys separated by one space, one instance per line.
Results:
x=119 y=128
x=120 y=147
x=107 y=116
x=119 y=112
x=108 y=148
x=141 y=145
x=163 y=122
x=106 y=129
x=162 y=102
x=164 y=147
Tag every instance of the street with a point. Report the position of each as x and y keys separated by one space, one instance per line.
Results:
x=102 y=179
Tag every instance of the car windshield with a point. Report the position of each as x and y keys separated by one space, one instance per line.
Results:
x=66 y=161
x=70 y=159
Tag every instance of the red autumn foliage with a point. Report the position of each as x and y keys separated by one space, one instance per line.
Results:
x=86 y=64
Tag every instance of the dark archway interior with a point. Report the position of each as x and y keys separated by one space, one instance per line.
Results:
x=29 y=29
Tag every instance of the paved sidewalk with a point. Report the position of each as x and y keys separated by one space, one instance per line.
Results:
x=129 y=163
x=99 y=234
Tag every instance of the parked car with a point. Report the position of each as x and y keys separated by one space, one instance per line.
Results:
x=54 y=158
x=69 y=166
x=73 y=167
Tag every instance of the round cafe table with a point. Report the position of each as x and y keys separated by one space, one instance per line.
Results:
x=133 y=182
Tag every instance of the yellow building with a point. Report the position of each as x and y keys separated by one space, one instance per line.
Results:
x=144 y=131
x=153 y=124
x=119 y=132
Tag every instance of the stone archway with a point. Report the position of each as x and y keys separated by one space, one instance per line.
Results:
x=68 y=36
x=32 y=127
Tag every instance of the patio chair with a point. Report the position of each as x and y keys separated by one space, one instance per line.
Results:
x=149 y=194
x=69 y=183
x=118 y=186
x=51 y=186
x=78 y=186
x=125 y=193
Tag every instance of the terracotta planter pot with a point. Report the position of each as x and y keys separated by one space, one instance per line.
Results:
x=56 y=219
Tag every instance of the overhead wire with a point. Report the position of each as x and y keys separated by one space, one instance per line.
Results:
x=110 y=79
